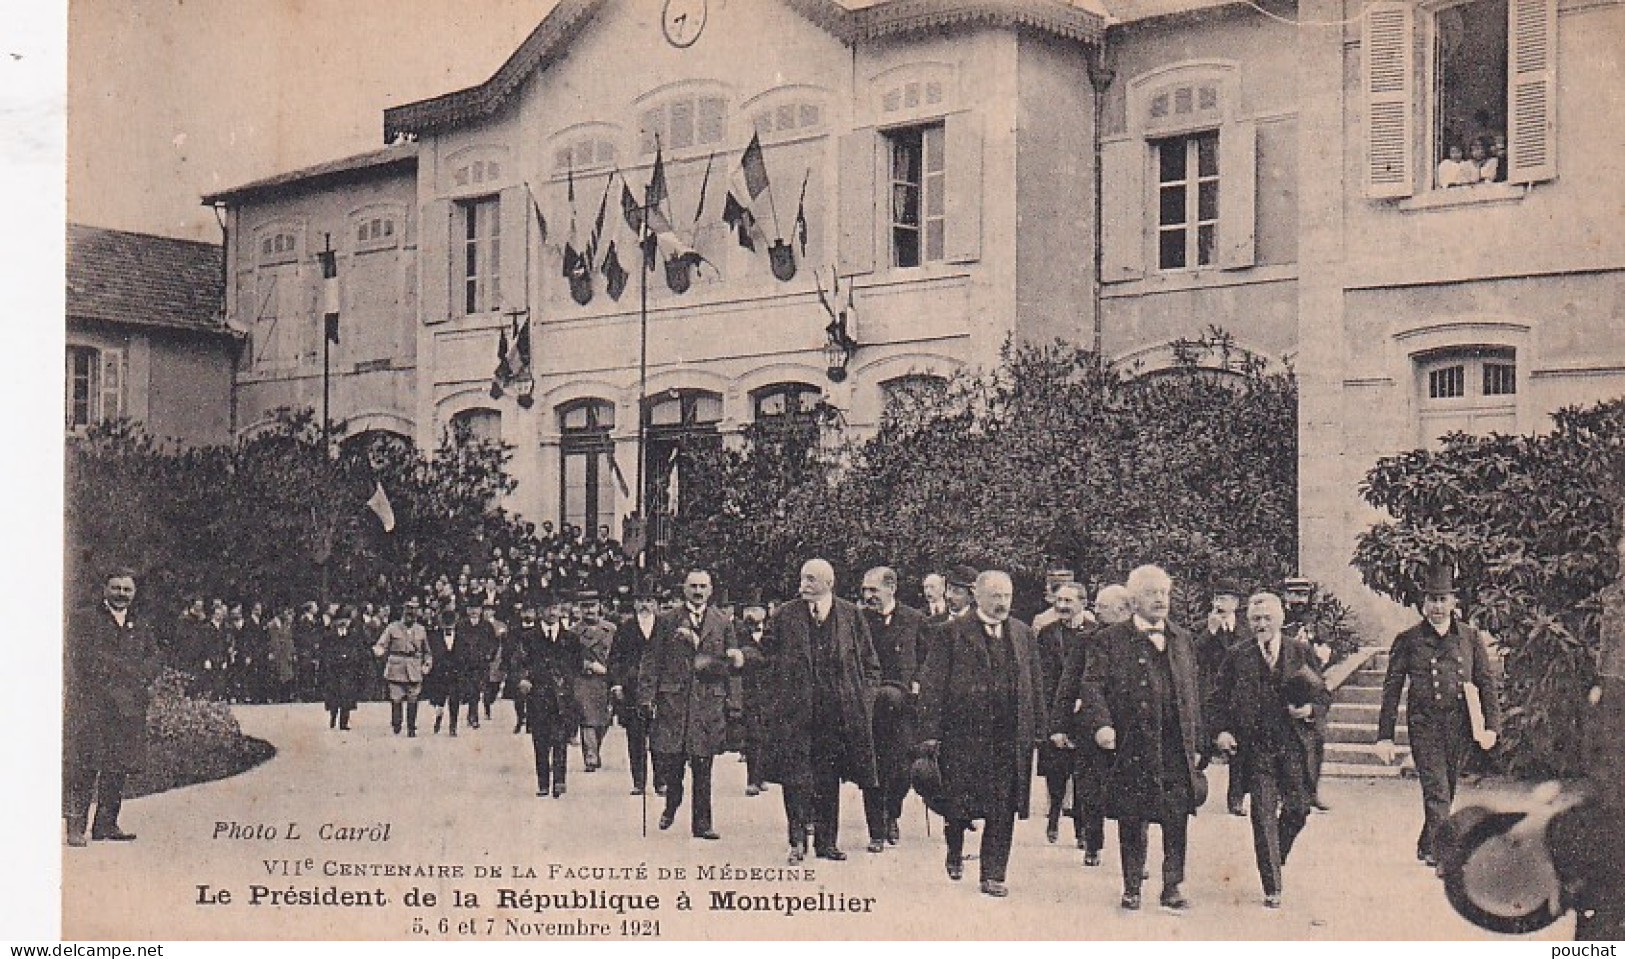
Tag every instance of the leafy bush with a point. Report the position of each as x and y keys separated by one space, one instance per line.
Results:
x=1531 y=522
x=192 y=740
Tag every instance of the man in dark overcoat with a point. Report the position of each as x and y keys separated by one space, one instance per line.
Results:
x=1224 y=628
x=548 y=659
x=1268 y=696
x=625 y=656
x=1091 y=764
x=110 y=660
x=1063 y=638
x=1142 y=702
x=980 y=713
x=345 y=657
x=819 y=675
x=1444 y=661
x=895 y=630
x=685 y=686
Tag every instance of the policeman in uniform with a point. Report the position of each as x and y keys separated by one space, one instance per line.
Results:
x=1439 y=657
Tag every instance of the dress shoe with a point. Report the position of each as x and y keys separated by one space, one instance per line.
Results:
x=894 y=834
x=956 y=866
x=454 y=730
x=1052 y=832
x=831 y=853
x=542 y=793
x=411 y=734
x=1321 y=805
x=1091 y=859
x=517 y=727
x=1173 y=899
x=396 y=730
x=994 y=888
x=1236 y=809
x=113 y=835
x=706 y=834
x=877 y=845
x=797 y=854
x=1130 y=901
x=76 y=837
x=437 y=721
x=473 y=724
x=344 y=727
x=660 y=790
x=666 y=819
x=752 y=789
x=558 y=790
x=1272 y=900
x=637 y=790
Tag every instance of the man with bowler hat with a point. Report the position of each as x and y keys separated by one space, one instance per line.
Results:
x=686 y=688
x=1447 y=666
x=625 y=656
x=895 y=631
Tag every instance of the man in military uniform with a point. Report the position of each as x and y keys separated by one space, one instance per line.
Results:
x=404 y=648
x=1447 y=665
x=109 y=664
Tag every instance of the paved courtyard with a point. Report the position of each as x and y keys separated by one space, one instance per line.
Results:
x=463 y=808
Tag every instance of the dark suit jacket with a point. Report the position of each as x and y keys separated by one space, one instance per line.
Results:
x=107 y=672
x=897 y=646
x=690 y=705
x=1436 y=668
x=1116 y=675
x=1248 y=704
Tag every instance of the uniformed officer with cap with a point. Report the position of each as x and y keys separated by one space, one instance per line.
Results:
x=1448 y=668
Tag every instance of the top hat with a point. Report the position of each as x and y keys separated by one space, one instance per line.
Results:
x=963 y=576
x=710 y=666
x=1439 y=580
x=1059 y=575
x=926 y=777
x=1495 y=879
x=1301 y=688
x=1228 y=587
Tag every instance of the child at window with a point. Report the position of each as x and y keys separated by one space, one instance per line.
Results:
x=1498 y=156
x=1482 y=164
x=1452 y=169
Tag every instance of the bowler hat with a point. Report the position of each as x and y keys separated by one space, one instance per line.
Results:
x=1301 y=688
x=710 y=666
x=890 y=699
x=962 y=575
x=926 y=777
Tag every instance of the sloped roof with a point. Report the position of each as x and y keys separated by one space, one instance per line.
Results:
x=850 y=21
x=403 y=154
x=143 y=280
x=1132 y=11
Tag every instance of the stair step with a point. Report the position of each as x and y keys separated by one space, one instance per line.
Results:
x=1365 y=713
x=1365 y=677
x=1359 y=754
x=1360 y=694
x=1351 y=771
x=1362 y=733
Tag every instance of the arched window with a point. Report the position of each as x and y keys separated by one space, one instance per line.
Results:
x=787 y=403
x=1471 y=389
x=589 y=471
x=671 y=419
x=477 y=425
x=912 y=391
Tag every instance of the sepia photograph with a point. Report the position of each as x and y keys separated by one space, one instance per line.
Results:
x=799 y=470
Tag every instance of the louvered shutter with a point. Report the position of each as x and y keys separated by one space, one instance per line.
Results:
x=964 y=181
x=857 y=206
x=1390 y=84
x=511 y=247
x=1531 y=90
x=1123 y=210
x=112 y=385
x=1238 y=194
x=435 y=260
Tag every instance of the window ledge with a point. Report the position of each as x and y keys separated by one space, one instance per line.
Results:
x=1456 y=196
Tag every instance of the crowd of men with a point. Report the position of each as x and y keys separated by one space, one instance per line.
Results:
x=1109 y=702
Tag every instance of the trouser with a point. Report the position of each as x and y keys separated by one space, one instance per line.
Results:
x=592 y=738
x=1439 y=745
x=818 y=803
x=753 y=764
x=671 y=767
x=339 y=715
x=552 y=758
x=1235 y=791
x=492 y=688
x=1055 y=786
x=999 y=830
x=1279 y=810
x=1132 y=833
x=104 y=789
x=519 y=713
x=877 y=811
x=637 y=749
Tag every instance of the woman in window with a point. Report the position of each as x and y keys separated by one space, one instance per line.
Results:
x=1453 y=169
x=1483 y=165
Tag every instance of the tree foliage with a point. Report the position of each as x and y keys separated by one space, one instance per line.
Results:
x=275 y=517
x=1531 y=522
x=1055 y=456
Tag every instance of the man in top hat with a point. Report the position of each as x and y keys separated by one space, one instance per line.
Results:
x=109 y=664
x=752 y=630
x=1141 y=702
x=686 y=687
x=404 y=648
x=1268 y=697
x=549 y=658
x=625 y=655
x=1052 y=581
x=895 y=631
x=980 y=713
x=1223 y=630
x=820 y=673
x=1447 y=666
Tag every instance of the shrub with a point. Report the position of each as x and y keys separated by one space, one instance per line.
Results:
x=192 y=740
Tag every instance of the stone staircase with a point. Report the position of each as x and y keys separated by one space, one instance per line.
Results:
x=1352 y=727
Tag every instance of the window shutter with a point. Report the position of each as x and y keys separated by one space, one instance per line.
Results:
x=1390 y=83
x=1238 y=188
x=435 y=260
x=857 y=158
x=963 y=204
x=112 y=385
x=1124 y=213
x=512 y=248
x=1531 y=90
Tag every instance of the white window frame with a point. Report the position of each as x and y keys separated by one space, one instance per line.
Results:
x=1191 y=186
x=931 y=190
x=479 y=256
x=104 y=385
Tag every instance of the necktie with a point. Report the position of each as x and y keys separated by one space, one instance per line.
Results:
x=1158 y=640
x=1271 y=650
x=992 y=630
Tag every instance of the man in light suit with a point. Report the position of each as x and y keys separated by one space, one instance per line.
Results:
x=819 y=675
x=685 y=686
x=1268 y=695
